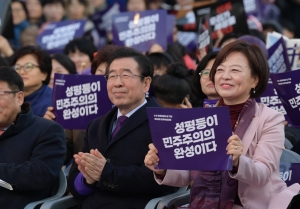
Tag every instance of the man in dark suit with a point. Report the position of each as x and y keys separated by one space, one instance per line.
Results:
x=111 y=171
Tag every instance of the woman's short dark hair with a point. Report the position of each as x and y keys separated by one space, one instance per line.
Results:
x=45 y=2
x=43 y=58
x=66 y=62
x=102 y=56
x=81 y=44
x=144 y=64
x=172 y=87
x=256 y=61
x=12 y=78
x=160 y=59
x=196 y=85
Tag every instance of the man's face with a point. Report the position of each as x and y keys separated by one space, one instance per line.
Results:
x=128 y=93
x=54 y=12
x=10 y=104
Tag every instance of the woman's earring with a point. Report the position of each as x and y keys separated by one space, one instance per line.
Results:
x=253 y=90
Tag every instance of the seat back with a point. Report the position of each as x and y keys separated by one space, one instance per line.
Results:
x=62 y=186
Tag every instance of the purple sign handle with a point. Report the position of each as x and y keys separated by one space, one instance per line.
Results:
x=78 y=99
x=191 y=135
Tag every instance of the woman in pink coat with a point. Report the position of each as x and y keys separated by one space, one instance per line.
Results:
x=240 y=74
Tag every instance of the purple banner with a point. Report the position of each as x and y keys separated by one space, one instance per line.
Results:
x=54 y=36
x=140 y=30
x=103 y=22
x=278 y=58
x=191 y=138
x=78 y=99
x=210 y=102
x=170 y=28
x=270 y=99
x=290 y=172
x=287 y=85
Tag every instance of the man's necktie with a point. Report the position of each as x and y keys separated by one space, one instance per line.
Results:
x=1 y=132
x=121 y=121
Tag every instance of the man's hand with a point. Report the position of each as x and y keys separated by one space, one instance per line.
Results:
x=81 y=168
x=49 y=114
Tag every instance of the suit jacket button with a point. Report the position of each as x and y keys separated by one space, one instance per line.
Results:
x=108 y=160
x=105 y=183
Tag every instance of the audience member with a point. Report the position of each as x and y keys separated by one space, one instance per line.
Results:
x=240 y=74
x=136 y=5
x=160 y=62
x=32 y=149
x=29 y=35
x=110 y=172
x=53 y=10
x=34 y=66
x=81 y=52
x=61 y=64
x=35 y=12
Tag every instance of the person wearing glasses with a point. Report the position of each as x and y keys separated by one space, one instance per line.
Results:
x=32 y=149
x=111 y=171
x=35 y=66
x=202 y=87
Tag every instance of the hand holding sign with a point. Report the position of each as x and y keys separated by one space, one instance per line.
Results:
x=49 y=114
x=235 y=148
x=151 y=160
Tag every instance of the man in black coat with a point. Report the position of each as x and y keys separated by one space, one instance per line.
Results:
x=111 y=171
x=32 y=149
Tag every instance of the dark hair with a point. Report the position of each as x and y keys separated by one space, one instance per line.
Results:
x=196 y=85
x=12 y=78
x=102 y=56
x=4 y=62
x=23 y=6
x=43 y=59
x=45 y=2
x=256 y=61
x=177 y=52
x=173 y=86
x=227 y=37
x=159 y=59
x=83 y=2
x=66 y=62
x=83 y=45
x=144 y=65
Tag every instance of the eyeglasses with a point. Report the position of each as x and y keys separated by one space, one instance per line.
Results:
x=3 y=93
x=204 y=73
x=123 y=76
x=27 y=67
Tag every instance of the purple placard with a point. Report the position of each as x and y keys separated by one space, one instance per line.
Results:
x=78 y=99
x=210 y=102
x=191 y=138
x=287 y=85
x=278 y=58
x=140 y=30
x=170 y=28
x=270 y=99
x=103 y=22
x=290 y=172
x=54 y=36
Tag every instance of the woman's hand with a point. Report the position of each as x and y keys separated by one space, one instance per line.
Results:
x=49 y=114
x=151 y=160
x=235 y=148
x=186 y=104
x=5 y=47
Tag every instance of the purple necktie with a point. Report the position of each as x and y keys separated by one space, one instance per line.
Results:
x=121 y=121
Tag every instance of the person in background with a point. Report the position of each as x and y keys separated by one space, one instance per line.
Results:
x=53 y=10
x=35 y=12
x=172 y=89
x=240 y=74
x=154 y=4
x=228 y=38
x=29 y=35
x=160 y=62
x=32 y=149
x=203 y=88
x=136 y=5
x=19 y=17
x=77 y=9
x=288 y=28
x=81 y=51
x=35 y=66
x=61 y=64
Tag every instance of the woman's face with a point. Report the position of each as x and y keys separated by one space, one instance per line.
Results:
x=101 y=69
x=33 y=77
x=56 y=68
x=18 y=13
x=80 y=59
x=35 y=9
x=97 y=3
x=233 y=79
x=54 y=12
x=76 y=10
x=136 y=5
x=207 y=86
